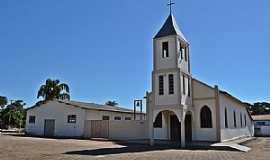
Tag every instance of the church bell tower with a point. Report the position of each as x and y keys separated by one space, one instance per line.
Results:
x=171 y=95
x=171 y=76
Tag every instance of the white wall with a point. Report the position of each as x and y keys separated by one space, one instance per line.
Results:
x=262 y=129
x=127 y=130
x=231 y=132
x=58 y=112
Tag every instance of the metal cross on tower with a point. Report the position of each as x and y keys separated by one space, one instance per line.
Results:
x=170 y=4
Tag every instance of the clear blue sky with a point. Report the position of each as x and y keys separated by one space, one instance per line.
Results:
x=103 y=49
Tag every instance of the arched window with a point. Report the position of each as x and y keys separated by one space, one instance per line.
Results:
x=245 y=120
x=241 y=120
x=206 y=117
x=158 y=121
x=226 y=118
x=234 y=119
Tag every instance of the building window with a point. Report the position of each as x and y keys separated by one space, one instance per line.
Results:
x=206 y=117
x=161 y=85
x=106 y=118
x=117 y=118
x=261 y=123
x=180 y=50
x=226 y=118
x=71 y=119
x=183 y=52
x=234 y=119
x=32 y=119
x=165 y=49
x=184 y=84
x=241 y=120
x=186 y=54
x=128 y=118
x=158 y=121
x=171 y=84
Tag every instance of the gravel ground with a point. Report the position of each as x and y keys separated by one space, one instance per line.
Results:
x=28 y=148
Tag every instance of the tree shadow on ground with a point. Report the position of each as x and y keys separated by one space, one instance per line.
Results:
x=137 y=148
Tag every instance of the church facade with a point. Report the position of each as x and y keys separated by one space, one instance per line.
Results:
x=181 y=108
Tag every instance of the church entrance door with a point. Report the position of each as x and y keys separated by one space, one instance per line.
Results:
x=175 y=129
x=188 y=128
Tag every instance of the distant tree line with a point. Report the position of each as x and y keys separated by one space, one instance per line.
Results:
x=259 y=108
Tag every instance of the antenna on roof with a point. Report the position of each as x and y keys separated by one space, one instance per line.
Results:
x=170 y=4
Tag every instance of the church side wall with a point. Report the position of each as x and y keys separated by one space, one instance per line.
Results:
x=203 y=95
x=58 y=112
x=204 y=134
x=234 y=132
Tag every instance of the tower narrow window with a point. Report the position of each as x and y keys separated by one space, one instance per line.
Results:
x=165 y=49
x=161 y=85
x=171 y=84
x=226 y=118
x=234 y=119
x=183 y=52
x=189 y=87
x=184 y=84
x=186 y=54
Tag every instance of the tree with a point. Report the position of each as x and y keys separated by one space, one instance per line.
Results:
x=111 y=103
x=14 y=114
x=3 y=101
x=53 y=89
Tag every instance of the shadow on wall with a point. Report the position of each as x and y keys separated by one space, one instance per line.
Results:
x=135 y=148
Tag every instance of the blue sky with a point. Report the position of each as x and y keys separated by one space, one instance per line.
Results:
x=103 y=49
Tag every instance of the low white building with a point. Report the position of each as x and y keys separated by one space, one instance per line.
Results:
x=76 y=119
x=261 y=125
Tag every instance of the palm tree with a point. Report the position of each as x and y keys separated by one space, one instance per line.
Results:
x=3 y=101
x=53 y=89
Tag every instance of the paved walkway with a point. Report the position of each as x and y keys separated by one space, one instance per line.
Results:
x=25 y=148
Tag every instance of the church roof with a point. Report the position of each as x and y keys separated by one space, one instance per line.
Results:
x=170 y=27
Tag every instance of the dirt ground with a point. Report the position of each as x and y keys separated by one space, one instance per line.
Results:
x=28 y=148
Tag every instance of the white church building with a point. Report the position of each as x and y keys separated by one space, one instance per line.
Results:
x=179 y=108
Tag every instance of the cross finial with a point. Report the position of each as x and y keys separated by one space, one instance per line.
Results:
x=170 y=4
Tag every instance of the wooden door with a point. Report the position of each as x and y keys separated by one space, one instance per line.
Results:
x=99 y=129
x=49 y=127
